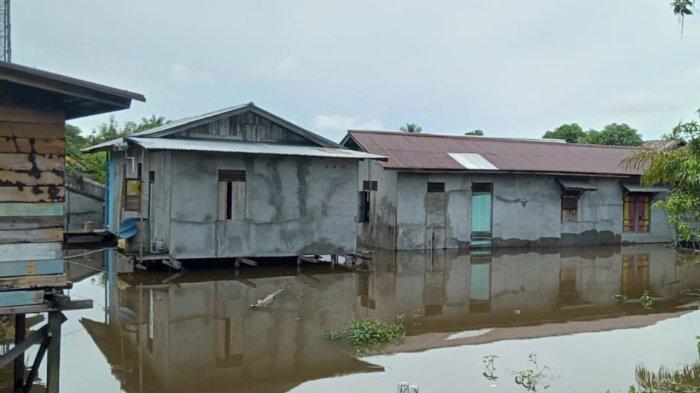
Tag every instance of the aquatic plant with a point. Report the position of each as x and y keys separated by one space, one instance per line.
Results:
x=684 y=380
x=620 y=298
x=365 y=333
x=647 y=300
x=535 y=378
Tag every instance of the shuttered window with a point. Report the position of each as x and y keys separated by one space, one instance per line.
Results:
x=436 y=186
x=232 y=195
x=569 y=206
x=636 y=213
x=369 y=185
x=482 y=187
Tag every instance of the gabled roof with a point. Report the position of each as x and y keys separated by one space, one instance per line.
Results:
x=76 y=97
x=433 y=152
x=193 y=121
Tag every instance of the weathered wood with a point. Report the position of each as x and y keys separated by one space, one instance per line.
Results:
x=35 y=366
x=29 y=222
x=35 y=130
x=20 y=298
x=10 y=144
x=29 y=251
x=31 y=268
x=20 y=332
x=172 y=262
x=19 y=349
x=46 y=307
x=246 y=261
x=36 y=281
x=27 y=162
x=33 y=194
x=31 y=235
x=53 y=360
x=304 y=258
x=21 y=209
x=45 y=178
x=24 y=115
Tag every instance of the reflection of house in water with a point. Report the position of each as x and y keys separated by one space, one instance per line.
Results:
x=199 y=333
x=196 y=331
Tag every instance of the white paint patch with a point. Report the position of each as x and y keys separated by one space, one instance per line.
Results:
x=472 y=161
x=469 y=334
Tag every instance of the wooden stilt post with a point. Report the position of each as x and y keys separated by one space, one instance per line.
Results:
x=53 y=360
x=20 y=329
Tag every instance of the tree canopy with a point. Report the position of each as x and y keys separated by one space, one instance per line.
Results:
x=93 y=165
x=475 y=133
x=571 y=133
x=612 y=134
x=411 y=127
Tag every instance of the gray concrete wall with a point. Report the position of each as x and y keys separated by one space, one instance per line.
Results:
x=526 y=212
x=82 y=209
x=380 y=231
x=294 y=206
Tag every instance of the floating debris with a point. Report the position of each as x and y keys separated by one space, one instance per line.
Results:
x=267 y=300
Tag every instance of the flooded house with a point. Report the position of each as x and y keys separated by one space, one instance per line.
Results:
x=34 y=106
x=237 y=182
x=446 y=191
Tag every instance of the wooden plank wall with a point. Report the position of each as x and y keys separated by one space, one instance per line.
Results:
x=32 y=192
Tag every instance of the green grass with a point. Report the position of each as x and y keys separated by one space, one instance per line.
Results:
x=685 y=380
x=368 y=333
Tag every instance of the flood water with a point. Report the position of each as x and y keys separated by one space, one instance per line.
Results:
x=474 y=322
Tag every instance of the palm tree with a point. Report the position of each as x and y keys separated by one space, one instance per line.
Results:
x=682 y=8
x=411 y=127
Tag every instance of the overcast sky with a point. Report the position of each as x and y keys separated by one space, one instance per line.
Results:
x=510 y=68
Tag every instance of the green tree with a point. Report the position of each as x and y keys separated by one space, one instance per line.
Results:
x=680 y=169
x=411 y=127
x=683 y=8
x=475 y=133
x=93 y=165
x=614 y=134
x=571 y=133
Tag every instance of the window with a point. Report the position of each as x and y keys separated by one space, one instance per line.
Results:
x=369 y=185
x=569 y=206
x=636 y=213
x=364 y=205
x=231 y=195
x=436 y=186
x=132 y=191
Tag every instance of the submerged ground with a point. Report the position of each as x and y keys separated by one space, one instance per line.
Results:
x=558 y=319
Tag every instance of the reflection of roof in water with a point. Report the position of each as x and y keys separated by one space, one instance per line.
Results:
x=600 y=323
x=107 y=339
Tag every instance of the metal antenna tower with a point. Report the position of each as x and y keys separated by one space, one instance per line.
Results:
x=5 y=43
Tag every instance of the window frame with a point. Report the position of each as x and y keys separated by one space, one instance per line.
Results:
x=231 y=183
x=570 y=217
x=631 y=204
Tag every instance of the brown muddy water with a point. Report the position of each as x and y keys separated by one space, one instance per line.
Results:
x=474 y=322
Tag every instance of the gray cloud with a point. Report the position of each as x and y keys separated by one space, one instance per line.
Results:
x=510 y=68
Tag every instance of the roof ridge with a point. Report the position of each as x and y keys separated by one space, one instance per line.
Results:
x=498 y=139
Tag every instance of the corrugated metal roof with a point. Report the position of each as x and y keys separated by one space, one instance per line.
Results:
x=631 y=187
x=577 y=185
x=226 y=146
x=407 y=151
x=192 y=121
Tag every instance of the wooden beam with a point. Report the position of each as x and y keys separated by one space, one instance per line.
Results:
x=59 y=281
x=173 y=263
x=30 y=251
x=20 y=331
x=304 y=258
x=52 y=193
x=53 y=360
x=246 y=261
x=19 y=349
x=46 y=307
x=35 y=366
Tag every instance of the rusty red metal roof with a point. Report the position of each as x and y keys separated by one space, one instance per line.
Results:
x=431 y=152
